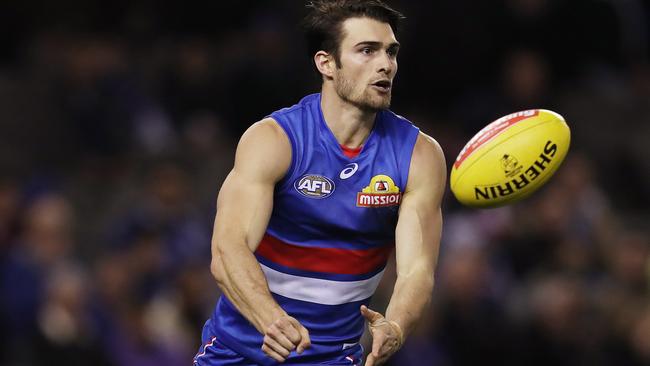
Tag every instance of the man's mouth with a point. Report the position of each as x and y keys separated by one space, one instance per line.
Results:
x=382 y=85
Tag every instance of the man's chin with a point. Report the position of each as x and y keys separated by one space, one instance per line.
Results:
x=370 y=103
x=380 y=106
x=375 y=104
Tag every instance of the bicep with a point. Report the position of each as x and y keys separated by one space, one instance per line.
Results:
x=245 y=200
x=419 y=226
x=243 y=210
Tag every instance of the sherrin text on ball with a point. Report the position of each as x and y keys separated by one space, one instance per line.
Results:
x=510 y=158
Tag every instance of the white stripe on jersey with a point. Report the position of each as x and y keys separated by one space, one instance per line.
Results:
x=320 y=291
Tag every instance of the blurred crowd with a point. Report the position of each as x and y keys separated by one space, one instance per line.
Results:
x=118 y=123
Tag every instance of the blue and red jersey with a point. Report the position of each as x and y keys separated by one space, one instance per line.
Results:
x=331 y=231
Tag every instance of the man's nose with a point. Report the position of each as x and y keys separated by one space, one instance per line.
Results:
x=386 y=64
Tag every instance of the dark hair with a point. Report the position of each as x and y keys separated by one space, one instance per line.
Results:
x=323 y=23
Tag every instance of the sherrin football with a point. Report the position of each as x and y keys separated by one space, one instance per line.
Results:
x=510 y=158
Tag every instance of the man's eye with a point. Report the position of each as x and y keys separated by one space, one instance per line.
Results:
x=366 y=50
x=392 y=53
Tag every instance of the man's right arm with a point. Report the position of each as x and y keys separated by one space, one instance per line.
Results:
x=243 y=211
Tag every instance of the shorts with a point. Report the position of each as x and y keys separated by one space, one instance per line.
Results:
x=214 y=353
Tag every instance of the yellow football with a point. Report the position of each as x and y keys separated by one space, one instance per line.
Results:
x=510 y=158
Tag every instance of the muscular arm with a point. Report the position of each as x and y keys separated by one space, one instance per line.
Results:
x=418 y=234
x=417 y=242
x=243 y=210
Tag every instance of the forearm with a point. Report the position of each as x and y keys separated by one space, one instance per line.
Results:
x=241 y=279
x=411 y=296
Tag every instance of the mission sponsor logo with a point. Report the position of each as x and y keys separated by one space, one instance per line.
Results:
x=314 y=186
x=512 y=167
x=381 y=192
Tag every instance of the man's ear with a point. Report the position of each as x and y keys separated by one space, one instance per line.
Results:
x=325 y=63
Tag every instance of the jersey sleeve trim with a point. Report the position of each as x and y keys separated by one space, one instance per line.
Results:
x=279 y=119
x=407 y=154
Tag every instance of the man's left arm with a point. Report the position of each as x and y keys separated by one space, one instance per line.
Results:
x=417 y=243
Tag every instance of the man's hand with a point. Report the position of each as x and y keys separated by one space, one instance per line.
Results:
x=283 y=336
x=387 y=337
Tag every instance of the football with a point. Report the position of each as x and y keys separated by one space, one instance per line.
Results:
x=510 y=158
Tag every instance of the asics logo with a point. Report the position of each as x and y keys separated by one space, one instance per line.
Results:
x=349 y=171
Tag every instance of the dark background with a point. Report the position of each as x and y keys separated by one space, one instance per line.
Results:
x=118 y=123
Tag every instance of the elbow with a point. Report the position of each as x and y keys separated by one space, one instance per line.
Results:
x=426 y=280
x=431 y=284
x=427 y=288
x=217 y=270
x=422 y=280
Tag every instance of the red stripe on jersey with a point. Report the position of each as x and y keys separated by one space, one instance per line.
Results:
x=324 y=260
x=351 y=152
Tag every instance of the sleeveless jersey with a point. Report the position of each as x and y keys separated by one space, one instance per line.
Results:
x=330 y=234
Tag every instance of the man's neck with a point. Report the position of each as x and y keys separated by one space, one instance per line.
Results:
x=349 y=124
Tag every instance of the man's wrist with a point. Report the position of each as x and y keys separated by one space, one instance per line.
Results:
x=271 y=316
x=398 y=330
x=263 y=317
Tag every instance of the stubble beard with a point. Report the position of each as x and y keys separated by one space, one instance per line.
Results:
x=364 y=99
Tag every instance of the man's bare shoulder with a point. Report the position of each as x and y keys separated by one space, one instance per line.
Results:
x=428 y=144
x=267 y=128
x=264 y=149
x=428 y=166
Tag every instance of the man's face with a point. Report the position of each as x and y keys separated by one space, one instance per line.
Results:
x=368 y=54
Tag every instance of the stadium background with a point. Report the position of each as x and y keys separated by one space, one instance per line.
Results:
x=118 y=122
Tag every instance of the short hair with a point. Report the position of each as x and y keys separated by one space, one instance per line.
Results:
x=323 y=24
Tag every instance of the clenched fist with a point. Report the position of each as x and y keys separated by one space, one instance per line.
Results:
x=283 y=336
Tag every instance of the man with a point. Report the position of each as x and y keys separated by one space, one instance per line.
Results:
x=319 y=196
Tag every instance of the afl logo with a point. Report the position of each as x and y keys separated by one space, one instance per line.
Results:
x=314 y=186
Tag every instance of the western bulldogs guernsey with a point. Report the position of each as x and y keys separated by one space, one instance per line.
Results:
x=331 y=232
